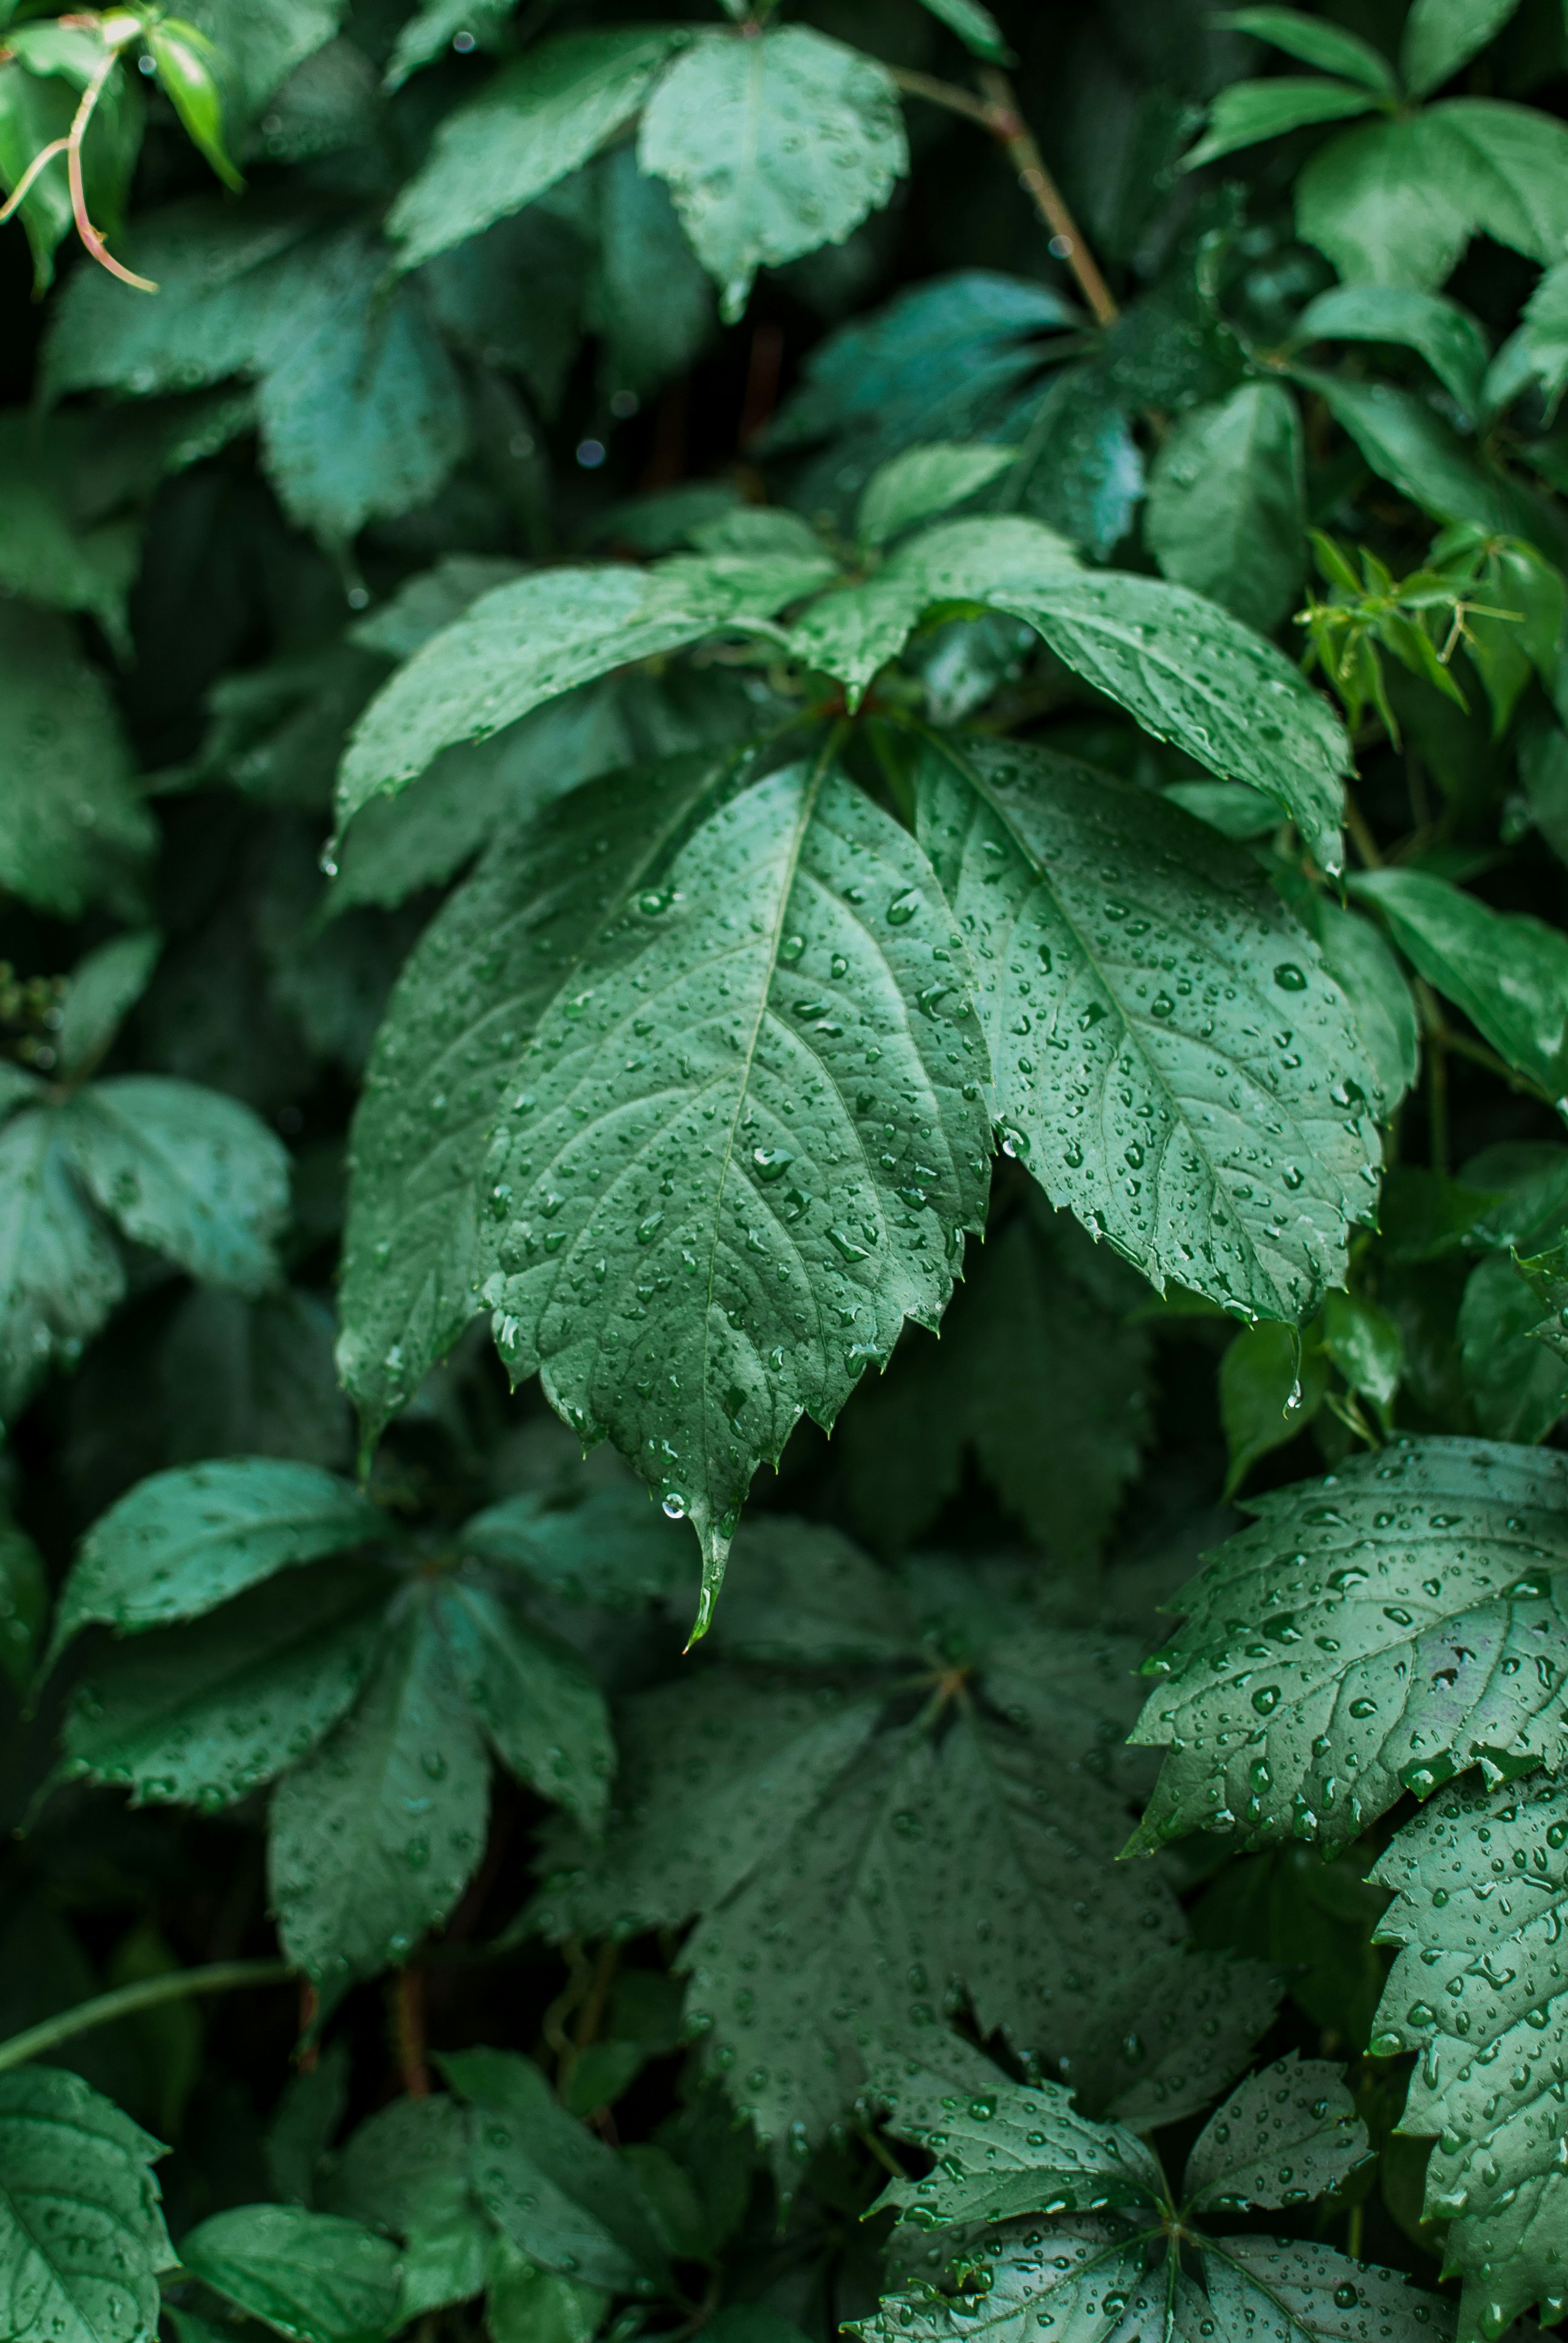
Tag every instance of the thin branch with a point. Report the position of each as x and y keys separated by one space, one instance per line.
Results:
x=147 y=1993
x=84 y=229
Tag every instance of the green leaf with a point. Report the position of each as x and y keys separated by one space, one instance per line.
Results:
x=1447 y=337
x=312 y=2277
x=406 y=2170
x=1369 y=975
x=433 y=28
x=243 y=1378
x=1226 y=504
x=188 y=69
x=1507 y=972
x=377 y=1834
x=536 y=121
x=771 y=147
x=1546 y=1274
x=73 y=830
x=1250 y=111
x=1300 y=2111
x=23 y=1603
x=1397 y=202
x=1330 y=47
x=181 y=1543
x=527 y=2305
x=1538 y=349
x=1407 y=444
x=104 y=988
x=526 y=643
x=1366 y=1345
x=306 y=2119
x=206 y=1715
x=1269 y=1391
x=744 y=1147
x=1134 y=1100
x=648 y=294
x=1518 y=1388
x=605 y=1542
x=474 y=988
x=1189 y=674
x=1410 y=1578
x=923 y=482
x=82 y=2238
x=60 y=1275
x=540 y=1706
x=976 y=28
x=260 y=42
x=550 y=2187
x=1476 y=1993
x=1441 y=35
x=46 y=554
x=193 y=1173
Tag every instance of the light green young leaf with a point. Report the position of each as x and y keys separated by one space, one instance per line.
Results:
x=73 y=829
x=1517 y=1386
x=60 y=1273
x=976 y=28
x=1296 y=2111
x=1477 y=1992
x=771 y=147
x=1397 y=202
x=1447 y=337
x=526 y=643
x=923 y=482
x=1329 y=46
x=1507 y=972
x=313 y=2278
x=190 y=71
x=1226 y=509
x=474 y=988
x=540 y=1708
x=1448 y=1548
x=377 y=1834
x=104 y=988
x=210 y=1712
x=1546 y=1274
x=1250 y=111
x=181 y=1543
x=82 y=2238
x=1189 y=674
x=743 y=1151
x=189 y=1171
x=1270 y=1389
x=1136 y=1090
x=1441 y=35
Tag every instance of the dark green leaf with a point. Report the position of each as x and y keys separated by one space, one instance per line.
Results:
x=194 y=1174
x=1226 y=504
x=104 y=989
x=1270 y=1389
x=82 y=2238
x=60 y=1275
x=73 y=832
x=1518 y=1387
x=1447 y=337
x=606 y=1542
x=1288 y=2134
x=540 y=1708
x=976 y=28
x=312 y=2277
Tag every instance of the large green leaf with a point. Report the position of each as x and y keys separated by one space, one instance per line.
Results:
x=1333 y=48
x=1482 y=1891
x=313 y=2278
x=1171 y=1058
x=181 y=1543
x=1190 y=675
x=1372 y=1633
x=471 y=994
x=194 y=1174
x=1398 y=201
x=377 y=1834
x=73 y=832
x=60 y=1274
x=82 y=2238
x=1226 y=503
x=708 y=1221
x=771 y=145
x=526 y=128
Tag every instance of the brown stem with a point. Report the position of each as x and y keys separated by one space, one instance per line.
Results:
x=408 y=2028
x=1360 y=829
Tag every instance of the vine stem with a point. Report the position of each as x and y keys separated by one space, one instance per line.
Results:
x=71 y=147
x=147 y=1993
x=998 y=112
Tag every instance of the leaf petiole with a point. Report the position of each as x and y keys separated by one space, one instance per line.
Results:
x=127 y=2000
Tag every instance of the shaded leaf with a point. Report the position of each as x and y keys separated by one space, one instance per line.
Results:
x=1226 y=504
x=191 y=1173
x=73 y=832
x=312 y=2277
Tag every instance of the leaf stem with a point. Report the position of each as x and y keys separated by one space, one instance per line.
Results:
x=998 y=112
x=127 y=2000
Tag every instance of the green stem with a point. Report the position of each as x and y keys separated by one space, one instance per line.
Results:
x=147 y=1993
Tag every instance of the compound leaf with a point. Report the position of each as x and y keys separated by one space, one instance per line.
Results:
x=1447 y=337
x=82 y=2238
x=1286 y=2134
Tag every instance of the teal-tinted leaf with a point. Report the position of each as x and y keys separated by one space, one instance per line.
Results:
x=377 y=1834
x=1226 y=510
x=1447 y=337
x=189 y=1171
x=183 y=1541
x=23 y=1603
x=1441 y=35
x=1080 y=1010
x=431 y=602
x=1190 y=675
x=1366 y=1345
x=1410 y=1579
x=923 y=482
x=605 y=1542
x=1507 y=972
x=552 y=2188
x=473 y=990
x=535 y=122
x=60 y=1275
x=743 y=1144
x=1086 y=2275
x=1397 y=202
x=771 y=147
x=82 y=2238
x=1477 y=1992
x=1250 y=111
x=20 y=1087
x=252 y=1378
x=260 y=42
x=649 y=296
x=1407 y=444
x=976 y=28
x=1277 y=2290
x=1269 y=1391
x=207 y=1713
x=1288 y=2134
x=1329 y=46
x=526 y=643
x=315 y=2277
x=1517 y=1386
x=104 y=989
x=540 y=1706
x=73 y=830
x=1232 y=808
x=1369 y=975
x=1082 y=470
x=45 y=554
x=434 y=28
x=1173 y=2027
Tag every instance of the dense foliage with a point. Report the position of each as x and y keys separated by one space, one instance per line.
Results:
x=680 y=699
